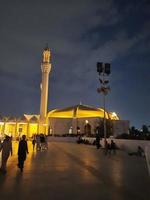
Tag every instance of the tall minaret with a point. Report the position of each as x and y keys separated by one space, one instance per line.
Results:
x=46 y=68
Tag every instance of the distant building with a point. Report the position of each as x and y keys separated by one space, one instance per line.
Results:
x=85 y=118
x=78 y=119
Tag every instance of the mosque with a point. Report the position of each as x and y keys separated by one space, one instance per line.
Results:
x=77 y=119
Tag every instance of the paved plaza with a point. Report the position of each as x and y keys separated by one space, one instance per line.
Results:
x=73 y=171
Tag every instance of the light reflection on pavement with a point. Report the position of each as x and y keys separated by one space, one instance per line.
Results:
x=75 y=171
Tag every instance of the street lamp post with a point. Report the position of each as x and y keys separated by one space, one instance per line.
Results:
x=103 y=70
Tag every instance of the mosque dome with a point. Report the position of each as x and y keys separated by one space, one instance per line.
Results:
x=81 y=111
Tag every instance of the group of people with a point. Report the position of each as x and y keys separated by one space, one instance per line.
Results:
x=139 y=152
x=6 y=148
x=40 y=141
x=110 y=147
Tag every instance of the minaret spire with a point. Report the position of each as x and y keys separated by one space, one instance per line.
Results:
x=45 y=68
x=46 y=46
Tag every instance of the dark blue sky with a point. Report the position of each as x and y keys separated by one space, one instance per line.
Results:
x=80 y=33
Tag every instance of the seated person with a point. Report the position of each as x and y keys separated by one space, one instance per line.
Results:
x=139 y=152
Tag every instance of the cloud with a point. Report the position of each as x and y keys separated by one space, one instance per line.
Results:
x=79 y=33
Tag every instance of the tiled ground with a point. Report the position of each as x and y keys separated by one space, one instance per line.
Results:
x=72 y=171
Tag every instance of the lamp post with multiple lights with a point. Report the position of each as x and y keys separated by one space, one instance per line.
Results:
x=103 y=70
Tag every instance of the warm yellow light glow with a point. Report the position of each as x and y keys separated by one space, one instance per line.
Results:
x=28 y=117
x=113 y=116
x=31 y=125
x=33 y=129
x=11 y=122
x=79 y=111
x=44 y=124
x=62 y=114
x=91 y=113
x=46 y=55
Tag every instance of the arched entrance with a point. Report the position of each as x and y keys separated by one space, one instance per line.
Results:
x=87 y=128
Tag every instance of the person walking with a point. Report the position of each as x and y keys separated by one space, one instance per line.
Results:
x=22 y=152
x=98 y=137
x=33 y=142
x=6 y=148
x=38 y=143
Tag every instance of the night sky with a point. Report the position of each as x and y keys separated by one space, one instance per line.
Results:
x=80 y=33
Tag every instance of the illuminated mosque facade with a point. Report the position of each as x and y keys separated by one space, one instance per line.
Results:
x=78 y=119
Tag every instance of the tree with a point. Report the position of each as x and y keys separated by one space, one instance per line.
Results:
x=132 y=130
x=145 y=129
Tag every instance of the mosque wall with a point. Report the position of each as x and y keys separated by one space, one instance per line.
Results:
x=120 y=127
x=60 y=126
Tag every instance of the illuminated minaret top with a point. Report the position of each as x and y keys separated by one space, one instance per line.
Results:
x=46 y=55
x=45 y=68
